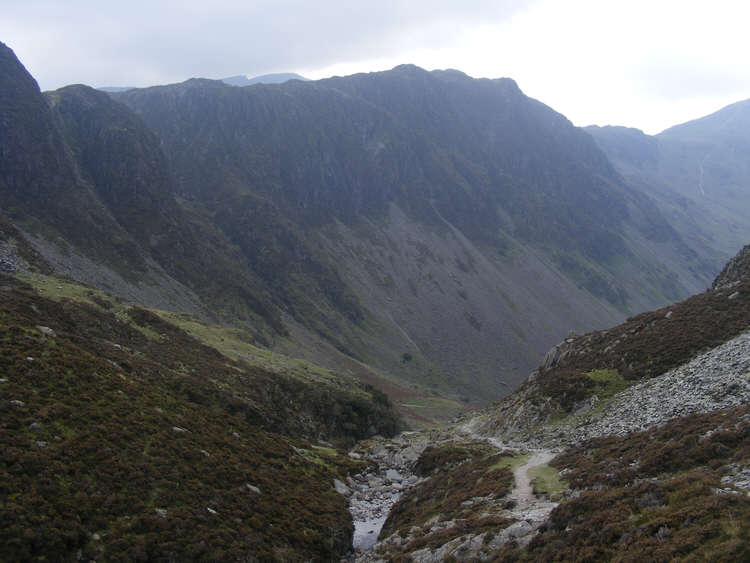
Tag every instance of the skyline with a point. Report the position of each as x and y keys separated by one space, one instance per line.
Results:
x=643 y=65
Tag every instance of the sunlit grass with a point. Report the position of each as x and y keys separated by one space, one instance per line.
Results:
x=546 y=481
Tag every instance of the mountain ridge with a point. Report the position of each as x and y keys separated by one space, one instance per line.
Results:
x=377 y=127
x=696 y=171
x=242 y=80
x=444 y=229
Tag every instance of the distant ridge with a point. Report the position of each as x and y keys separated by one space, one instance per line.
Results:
x=238 y=80
x=115 y=89
x=277 y=78
x=698 y=172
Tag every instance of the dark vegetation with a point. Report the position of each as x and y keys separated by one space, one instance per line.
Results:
x=151 y=346
x=652 y=496
x=649 y=344
x=119 y=434
x=457 y=473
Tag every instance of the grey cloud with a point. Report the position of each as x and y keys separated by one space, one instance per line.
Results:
x=107 y=43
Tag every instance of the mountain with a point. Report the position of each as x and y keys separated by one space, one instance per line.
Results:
x=410 y=226
x=453 y=210
x=86 y=192
x=698 y=172
x=277 y=78
x=86 y=182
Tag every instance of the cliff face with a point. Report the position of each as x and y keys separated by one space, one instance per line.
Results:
x=456 y=221
x=443 y=229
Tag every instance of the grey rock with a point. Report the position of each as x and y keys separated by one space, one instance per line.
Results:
x=341 y=488
x=46 y=331
x=717 y=379
x=375 y=482
x=7 y=266
x=393 y=475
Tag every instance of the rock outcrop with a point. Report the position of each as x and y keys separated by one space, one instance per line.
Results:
x=736 y=270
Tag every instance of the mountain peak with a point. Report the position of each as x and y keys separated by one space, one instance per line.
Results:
x=242 y=80
x=13 y=75
x=731 y=120
x=408 y=67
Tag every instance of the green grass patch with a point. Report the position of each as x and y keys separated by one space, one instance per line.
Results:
x=546 y=481
x=60 y=289
x=511 y=462
x=55 y=288
x=236 y=344
x=609 y=382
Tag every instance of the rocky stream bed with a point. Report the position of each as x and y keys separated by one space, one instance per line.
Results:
x=372 y=495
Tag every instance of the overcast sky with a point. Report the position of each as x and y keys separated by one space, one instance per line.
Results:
x=643 y=63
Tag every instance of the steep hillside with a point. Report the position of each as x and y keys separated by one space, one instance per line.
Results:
x=629 y=443
x=87 y=184
x=586 y=369
x=460 y=227
x=698 y=171
x=124 y=437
